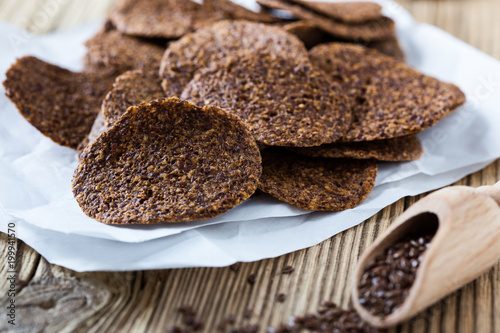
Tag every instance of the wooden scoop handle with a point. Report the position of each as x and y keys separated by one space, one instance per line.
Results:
x=492 y=191
x=466 y=244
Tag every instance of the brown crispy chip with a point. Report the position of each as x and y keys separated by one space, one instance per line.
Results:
x=316 y=183
x=393 y=99
x=348 y=12
x=380 y=28
x=130 y=88
x=97 y=128
x=112 y=49
x=61 y=104
x=236 y=11
x=284 y=102
x=162 y=18
x=405 y=148
x=199 y=49
x=167 y=161
x=311 y=35
x=389 y=47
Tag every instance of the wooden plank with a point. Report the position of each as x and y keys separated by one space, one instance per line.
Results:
x=149 y=300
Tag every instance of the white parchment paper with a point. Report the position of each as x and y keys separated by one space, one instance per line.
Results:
x=35 y=173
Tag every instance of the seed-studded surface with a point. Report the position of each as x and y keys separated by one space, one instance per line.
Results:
x=197 y=50
x=386 y=281
x=377 y=29
x=130 y=88
x=311 y=35
x=167 y=161
x=238 y=12
x=329 y=318
x=111 y=48
x=349 y=64
x=316 y=183
x=284 y=102
x=392 y=99
x=61 y=104
x=405 y=148
x=161 y=18
x=348 y=12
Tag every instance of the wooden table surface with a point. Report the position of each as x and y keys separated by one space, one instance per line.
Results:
x=148 y=301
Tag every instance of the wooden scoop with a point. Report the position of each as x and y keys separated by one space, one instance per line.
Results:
x=466 y=244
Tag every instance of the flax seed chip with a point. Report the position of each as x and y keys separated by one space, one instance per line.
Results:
x=389 y=47
x=392 y=99
x=167 y=161
x=316 y=183
x=282 y=101
x=161 y=18
x=61 y=104
x=97 y=128
x=238 y=12
x=199 y=49
x=130 y=88
x=348 y=12
x=110 y=48
x=377 y=29
x=405 y=148
x=311 y=35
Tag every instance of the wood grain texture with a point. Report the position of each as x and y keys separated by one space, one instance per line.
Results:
x=466 y=244
x=147 y=301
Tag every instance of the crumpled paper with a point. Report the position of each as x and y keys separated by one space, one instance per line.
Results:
x=35 y=173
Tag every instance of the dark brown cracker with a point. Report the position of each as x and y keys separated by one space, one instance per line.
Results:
x=161 y=18
x=130 y=88
x=167 y=161
x=405 y=148
x=311 y=35
x=392 y=99
x=316 y=183
x=61 y=104
x=97 y=128
x=282 y=101
x=112 y=49
x=381 y=28
x=348 y=12
x=238 y=12
x=389 y=47
x=199 y=49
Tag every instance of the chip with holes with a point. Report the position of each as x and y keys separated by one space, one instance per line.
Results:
x=284 y=102
x=316 y=183
x=61 y=104
x=205 y=46
x=111 y=49
x=167 y=161
x=162 y=18
x=376 y=29
x=405 y=148
x=392 y=99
